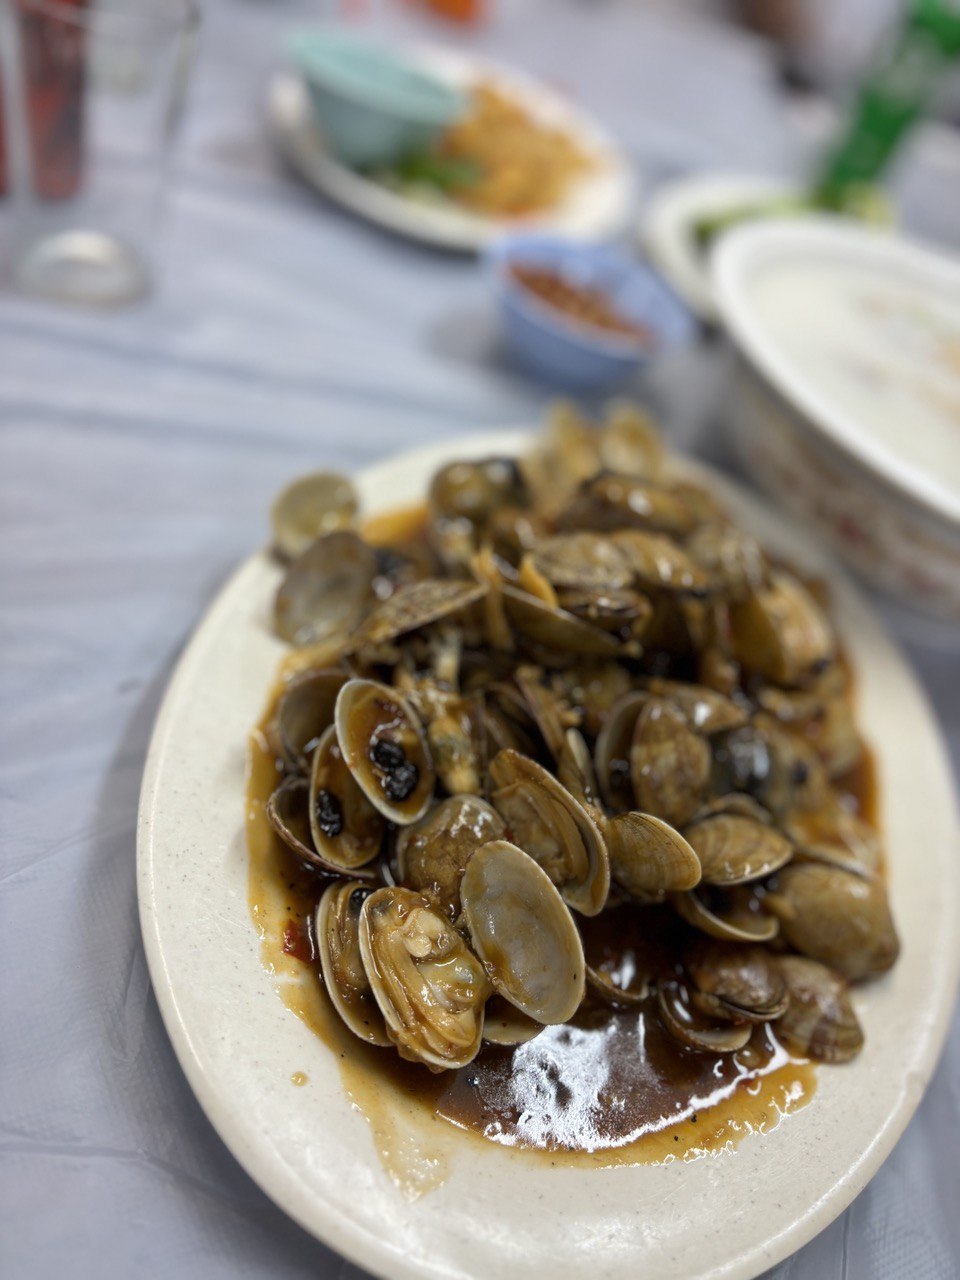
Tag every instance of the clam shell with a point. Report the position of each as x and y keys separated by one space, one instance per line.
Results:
x=344 y=977
x=385 y=748
x=741 y=982
x=733 y=849
x=554 y=828
x=820 y=1021
x=704 y=709
x=692 y=1028
x=616 y=502
x=575 y=772
x=648 y=856
x=433 y=853
x=304 y=711
x=553 y=628
x=728 y=926
x=733 y=559
x=780 y=632
x=834 y=915
x=669 y=763
x=612 y=751
x=347 y=830
x=326 y=591
x=504 y=1024
x=523 y=932
x=310 y=506
x=430 y=987
x=416 y=605
x=288 y=812
x=584 y=560
x=658 y=562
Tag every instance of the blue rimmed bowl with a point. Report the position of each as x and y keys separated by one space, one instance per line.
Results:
x=372 y=105
x=568 y=353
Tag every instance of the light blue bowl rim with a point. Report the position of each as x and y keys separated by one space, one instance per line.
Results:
x=424 y=98
x=509 y=249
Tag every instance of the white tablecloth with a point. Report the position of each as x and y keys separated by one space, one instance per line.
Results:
x=138 y=454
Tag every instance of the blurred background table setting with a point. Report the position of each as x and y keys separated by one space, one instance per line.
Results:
x=243 y=239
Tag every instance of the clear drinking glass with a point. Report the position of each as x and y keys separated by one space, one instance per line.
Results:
x=92 y=94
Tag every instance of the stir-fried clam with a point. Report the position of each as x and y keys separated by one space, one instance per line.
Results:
x=581 y=687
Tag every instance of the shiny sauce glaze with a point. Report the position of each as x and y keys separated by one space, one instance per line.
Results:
x=609 y=1087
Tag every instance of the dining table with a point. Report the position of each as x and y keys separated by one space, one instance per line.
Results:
x=139 y=451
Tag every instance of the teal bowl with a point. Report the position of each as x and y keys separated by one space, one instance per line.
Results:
x=372 y=106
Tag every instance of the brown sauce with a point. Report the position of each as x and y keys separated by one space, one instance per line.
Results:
x=610 y=1087
x=580 y=304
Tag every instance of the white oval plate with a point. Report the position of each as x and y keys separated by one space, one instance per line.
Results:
x=597 y=206
x=497 y=1214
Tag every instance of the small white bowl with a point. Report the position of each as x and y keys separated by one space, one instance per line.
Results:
x=847 y=393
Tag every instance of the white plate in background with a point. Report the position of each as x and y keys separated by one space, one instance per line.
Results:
x=598 y=205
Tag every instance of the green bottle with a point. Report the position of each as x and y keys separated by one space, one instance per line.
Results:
x=893 y=97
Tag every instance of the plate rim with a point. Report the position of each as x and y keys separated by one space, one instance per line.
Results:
x=352 y=1240
x=451 y=229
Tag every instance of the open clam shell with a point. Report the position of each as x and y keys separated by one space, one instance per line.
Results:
x=327 y=591
x=430 y=987
x=612 y=750
x=433 y=853
x=691 y=1027
x=344 y=977
x=288 y=812
x=575 y=772
x=554 y=828
x=416 y=605
x=734 y=921
x=304 y=711
x=347 y=830
x=504 y=1024
x=310 y=506
x=385 y=748
x=554 y=628
x=523 y=932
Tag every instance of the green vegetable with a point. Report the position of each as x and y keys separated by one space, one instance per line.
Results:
x=439 y=171
x=862 y=200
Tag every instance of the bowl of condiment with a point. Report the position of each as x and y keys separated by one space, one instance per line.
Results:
x=373 y=106
x=582 y=316
x=847 y=393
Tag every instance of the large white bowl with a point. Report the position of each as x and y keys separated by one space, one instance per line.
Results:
x=895 y=522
